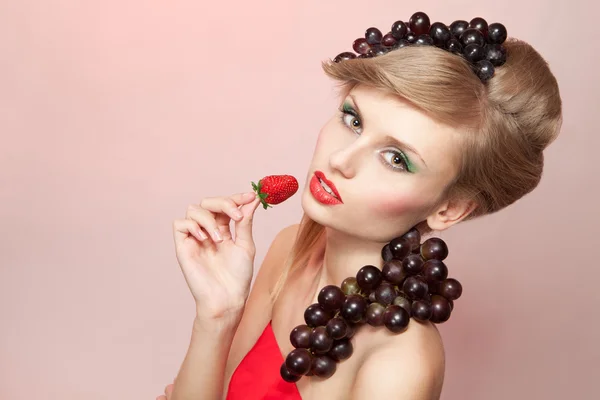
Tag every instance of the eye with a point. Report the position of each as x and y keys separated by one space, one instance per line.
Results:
x=395 y=159
x=351 y=121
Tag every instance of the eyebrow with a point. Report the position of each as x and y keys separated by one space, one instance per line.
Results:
x=391 y=138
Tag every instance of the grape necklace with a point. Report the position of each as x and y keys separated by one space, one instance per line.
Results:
x=413 y=283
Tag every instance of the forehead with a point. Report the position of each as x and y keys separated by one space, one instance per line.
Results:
x=384 y=113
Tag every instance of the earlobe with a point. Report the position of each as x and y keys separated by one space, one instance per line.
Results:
x=450 y=213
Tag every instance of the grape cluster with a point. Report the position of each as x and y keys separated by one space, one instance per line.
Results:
x=412 y=283
x=477 y=41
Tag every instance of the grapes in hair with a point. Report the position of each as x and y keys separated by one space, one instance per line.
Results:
x=300 y=337
x=497 y=33
x=440 y=34
x=473 y=53
x=419 y=23
x=472 y=35
x=361 y=46
x=399 y=30
x=480 y=24
x=458 y=27
x=373 y=36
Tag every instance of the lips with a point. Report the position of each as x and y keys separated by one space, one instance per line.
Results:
x=321 y=176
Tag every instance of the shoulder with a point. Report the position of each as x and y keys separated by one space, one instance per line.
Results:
x=411 y=364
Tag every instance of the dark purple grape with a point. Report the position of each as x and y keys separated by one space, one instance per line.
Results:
x=401 y=43
x=414 y=238
x=496 y=54
x=352 y=328
x=386 y=253
x=372 y=298
x=399 y=30
x=451 y=304
x=434 y=248
x=424 y=40
x=497 y=33
x=472 y=36
x=421 y=310
x=419 y=23
x=413 y=264
x=369 y=277
x=415 y=288
x=361 y=46
x=350 y=286
x=344 y=56
x=373 y=35
x=440 y=309
x=458 y=27
x=341 y=350
x=300 y=337
x=484 y=70
x=440 y=34
x=473 y=53
x=453 y=45
x=298 y=361
x=320 y=342
x=363 y=56
x=354 y=308
x=392 y=272
x=378 y=50
x=404 y=303
x=388 y=40
x=323 y=366
x=434 y=286
x=400 y=247
x=480 y=24
x=315 y=315
x=287 y=375
x=451 y=289
x=337 y=328
x=396 y=319
x=385 y=293
x=331 y=298
x=374 y=314
x=435 y=270
x=410 y=37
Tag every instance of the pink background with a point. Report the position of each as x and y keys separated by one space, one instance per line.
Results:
x=115 y=115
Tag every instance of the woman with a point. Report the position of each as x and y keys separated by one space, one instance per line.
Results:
x=423 y=138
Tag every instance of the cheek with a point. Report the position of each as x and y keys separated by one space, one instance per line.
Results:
x=385 y=204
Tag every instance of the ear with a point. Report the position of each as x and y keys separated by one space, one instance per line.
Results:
x=450 y=212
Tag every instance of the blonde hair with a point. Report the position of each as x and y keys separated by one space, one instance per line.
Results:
x=508 y=121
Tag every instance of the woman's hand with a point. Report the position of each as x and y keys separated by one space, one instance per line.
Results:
x=168 y=393
x=217 y=268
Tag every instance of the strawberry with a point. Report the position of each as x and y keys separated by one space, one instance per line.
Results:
x=275 y=189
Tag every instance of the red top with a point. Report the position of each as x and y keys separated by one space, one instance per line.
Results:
x=257 y=377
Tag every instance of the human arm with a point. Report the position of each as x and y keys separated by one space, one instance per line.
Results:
x=402 y=372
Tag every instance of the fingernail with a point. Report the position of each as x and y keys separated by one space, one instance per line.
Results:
x=250 y=195
x=202 y=235
x=238 y=214
x=217 y=234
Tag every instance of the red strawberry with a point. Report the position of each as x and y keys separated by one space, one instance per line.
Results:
x=275 y=189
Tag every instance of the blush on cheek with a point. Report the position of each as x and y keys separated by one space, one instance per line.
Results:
x=391 y=205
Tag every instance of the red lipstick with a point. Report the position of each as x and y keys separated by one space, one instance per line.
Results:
x=321 y=193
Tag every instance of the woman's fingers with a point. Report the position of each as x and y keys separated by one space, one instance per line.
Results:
x=182 y=228
x=227 y=206
x=169 y=391
x=243 y=228
x=206 y=220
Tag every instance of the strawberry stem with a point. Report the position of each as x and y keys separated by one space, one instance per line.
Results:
x=261 y=196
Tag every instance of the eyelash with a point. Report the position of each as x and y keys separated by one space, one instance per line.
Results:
x=347 y=111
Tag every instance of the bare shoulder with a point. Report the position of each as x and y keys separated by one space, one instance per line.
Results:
x=411 y=364
x=273 y=263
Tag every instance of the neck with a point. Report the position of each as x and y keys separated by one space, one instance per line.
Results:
x=344 y=255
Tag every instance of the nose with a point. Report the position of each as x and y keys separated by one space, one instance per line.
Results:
x=344 y=161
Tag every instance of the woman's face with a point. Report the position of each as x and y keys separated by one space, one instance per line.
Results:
x=389 y=162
